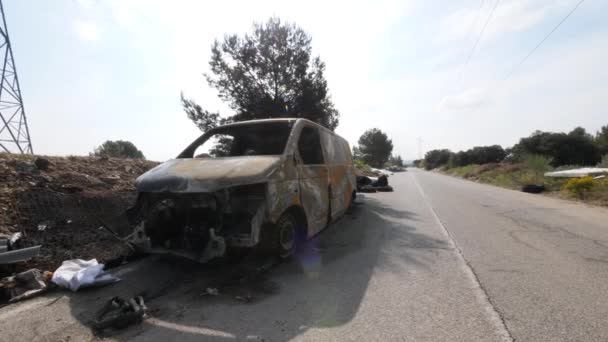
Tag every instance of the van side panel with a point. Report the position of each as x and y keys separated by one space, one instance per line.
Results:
x=341 y=173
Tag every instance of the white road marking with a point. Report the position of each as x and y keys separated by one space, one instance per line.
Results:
x=480 y=292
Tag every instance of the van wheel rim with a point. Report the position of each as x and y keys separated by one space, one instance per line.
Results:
x=287 y=235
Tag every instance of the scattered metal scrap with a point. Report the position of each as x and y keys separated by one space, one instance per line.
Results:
x=373 y=184
x=118 y=313
x=578 y=173
x=10 y=253
x=25 y=285
x=211 y=291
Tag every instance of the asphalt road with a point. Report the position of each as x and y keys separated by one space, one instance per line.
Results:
x=439 y=259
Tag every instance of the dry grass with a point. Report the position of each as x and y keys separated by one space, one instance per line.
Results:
x=513 y=176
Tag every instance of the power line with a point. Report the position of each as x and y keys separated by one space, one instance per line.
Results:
x=543 y=40
x=483 y=29
x=470 y=33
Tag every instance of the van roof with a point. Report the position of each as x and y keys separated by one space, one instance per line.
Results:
x=279 y=120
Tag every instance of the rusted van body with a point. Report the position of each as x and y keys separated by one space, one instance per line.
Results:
x=272 y=184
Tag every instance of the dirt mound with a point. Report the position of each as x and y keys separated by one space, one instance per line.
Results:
x=62 y=202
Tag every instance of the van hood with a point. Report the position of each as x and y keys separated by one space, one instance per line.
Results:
x=207 y=174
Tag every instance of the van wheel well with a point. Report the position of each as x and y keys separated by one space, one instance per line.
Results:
x=300 y=215
x=271 y=236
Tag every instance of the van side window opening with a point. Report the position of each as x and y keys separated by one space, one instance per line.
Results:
x=341 y=152
x=328 y=144
x=255 y=139
x=309 y=146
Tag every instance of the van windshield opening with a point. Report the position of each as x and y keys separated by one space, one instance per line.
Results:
x=255 y=139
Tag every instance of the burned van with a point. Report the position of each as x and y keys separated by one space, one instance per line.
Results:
x=268 y=184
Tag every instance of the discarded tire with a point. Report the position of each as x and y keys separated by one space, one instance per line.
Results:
x=381 y=182
x=533 y=188
x=363 y=180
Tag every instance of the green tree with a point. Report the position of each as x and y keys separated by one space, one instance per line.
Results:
x=601 y=140
x=395 y=160
x=117 y=149
x=269 y=73
x=604 y=161
x=375 y=147
x=538 y=164
x=574 y=148
x=436 y=158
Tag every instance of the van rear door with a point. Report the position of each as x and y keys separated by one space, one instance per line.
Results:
x=313 y=178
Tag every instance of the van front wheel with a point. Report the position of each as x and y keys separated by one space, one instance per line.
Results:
x=281 y=238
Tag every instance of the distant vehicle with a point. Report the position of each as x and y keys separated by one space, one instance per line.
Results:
x=271 y=184
x=395 y=168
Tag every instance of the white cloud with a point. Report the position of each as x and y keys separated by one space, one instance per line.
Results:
x=517 y=16
x=509 y=16
x=466 y=100
x=86 y=30
x=86 y=4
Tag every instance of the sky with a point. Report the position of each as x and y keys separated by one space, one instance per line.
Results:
x=114 y=69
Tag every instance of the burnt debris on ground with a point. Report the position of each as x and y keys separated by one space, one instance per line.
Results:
x=373 y=184
x=63 y=203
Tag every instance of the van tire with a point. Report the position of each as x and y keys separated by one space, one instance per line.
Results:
x=282 y=238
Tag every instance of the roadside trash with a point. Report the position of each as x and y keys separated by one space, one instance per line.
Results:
x=42 y=226
x=248 y=298
x=210 y=291
x=381 y=181
x=77 y=273
x=17 y=255
x=579 y=173
x=118 y=313
x=42 y=164
x=24 y=285
x=24 y=167
x=533 y=188
x=15 y=237
x=373 y=184
x=110 y=179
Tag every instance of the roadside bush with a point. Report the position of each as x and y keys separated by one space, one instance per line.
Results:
x=579 y=187
x=508 y=168
x=436 y=158
x=360 y=165
x=577 y=147
x=604 y=162
x=567 y=167
x=117 y=149
x=486 y=167
x=538 y=165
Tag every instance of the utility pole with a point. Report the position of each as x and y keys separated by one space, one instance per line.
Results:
x=14 y=132
x=419 y=147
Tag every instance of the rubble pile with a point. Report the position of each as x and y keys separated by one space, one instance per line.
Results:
x=63 y=204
